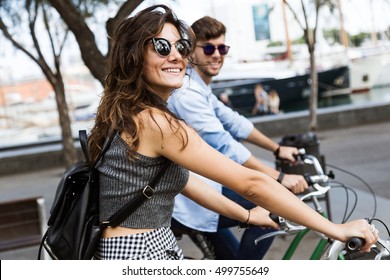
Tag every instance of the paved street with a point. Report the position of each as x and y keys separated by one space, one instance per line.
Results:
x=362 y=150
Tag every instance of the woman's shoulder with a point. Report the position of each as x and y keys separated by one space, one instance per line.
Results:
x=157 y=119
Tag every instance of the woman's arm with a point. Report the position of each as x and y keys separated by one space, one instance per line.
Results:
x=205 y=195
x=255 y=186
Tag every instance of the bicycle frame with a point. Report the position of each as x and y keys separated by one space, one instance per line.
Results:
x=320 y=247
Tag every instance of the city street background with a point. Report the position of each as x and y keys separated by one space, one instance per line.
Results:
x=361 y=150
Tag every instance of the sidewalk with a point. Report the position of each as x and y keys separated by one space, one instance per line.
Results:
x=362 y=150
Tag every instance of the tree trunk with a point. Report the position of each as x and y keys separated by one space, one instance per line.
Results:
x=91 y=55
x=93 y=58
x=313 y=100
x=69 y=151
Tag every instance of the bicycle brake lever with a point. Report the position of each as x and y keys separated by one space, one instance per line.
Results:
x=383 y=249
x=335 y=249
x=319 y=191
x=288 y=229
x=270 y=234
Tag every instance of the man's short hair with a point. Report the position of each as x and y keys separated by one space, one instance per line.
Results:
x=207 y=28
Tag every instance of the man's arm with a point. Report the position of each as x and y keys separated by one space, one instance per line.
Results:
x=198 y=112
x=293 y=182
x=259 y=139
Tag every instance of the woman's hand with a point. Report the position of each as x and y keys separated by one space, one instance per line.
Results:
x=260 y=217
x=362 y=229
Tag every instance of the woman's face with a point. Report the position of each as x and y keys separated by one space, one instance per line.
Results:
x=164 y=74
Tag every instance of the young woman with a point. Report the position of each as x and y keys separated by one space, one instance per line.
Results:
x=147 y=61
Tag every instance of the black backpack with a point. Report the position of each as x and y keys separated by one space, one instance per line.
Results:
x=74 y=227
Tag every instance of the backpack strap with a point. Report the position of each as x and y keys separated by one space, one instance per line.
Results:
x=84 y=146
x=136 y=202
x=106 y=146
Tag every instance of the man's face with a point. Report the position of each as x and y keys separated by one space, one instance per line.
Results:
x=208 y=66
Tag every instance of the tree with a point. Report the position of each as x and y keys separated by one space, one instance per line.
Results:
x=310 y=7
x=38 y=15
x=75 y=15
x=75 y=19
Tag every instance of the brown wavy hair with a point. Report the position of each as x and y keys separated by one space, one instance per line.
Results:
x=126 y=92
x=207 y=28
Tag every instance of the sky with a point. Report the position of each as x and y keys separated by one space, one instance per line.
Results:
x=358 y=17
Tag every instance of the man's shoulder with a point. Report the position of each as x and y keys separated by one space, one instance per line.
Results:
x=190 y=89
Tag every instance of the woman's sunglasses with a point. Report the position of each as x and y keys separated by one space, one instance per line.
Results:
x=210 y=49
x=163 y=47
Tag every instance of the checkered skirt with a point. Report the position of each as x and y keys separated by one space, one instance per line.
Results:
x=158 y=244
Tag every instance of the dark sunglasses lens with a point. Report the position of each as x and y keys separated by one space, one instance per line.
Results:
x=183 y=46
x=223 y=49
x=208 y=49
x=162 y=47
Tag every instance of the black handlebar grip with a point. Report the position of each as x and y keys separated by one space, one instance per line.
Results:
x=354 y=244
x=308 y=179
x=274 y=218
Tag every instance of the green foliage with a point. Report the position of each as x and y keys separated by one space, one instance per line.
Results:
x=332 y=35
x=275 y=44
x=358 y=39
x=299 y=41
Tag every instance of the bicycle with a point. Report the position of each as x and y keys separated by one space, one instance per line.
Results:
x=381 y=248
x=320 y=184
x=199 y=239
x=205 y=246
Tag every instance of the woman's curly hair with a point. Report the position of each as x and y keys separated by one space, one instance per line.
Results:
x=126 y=93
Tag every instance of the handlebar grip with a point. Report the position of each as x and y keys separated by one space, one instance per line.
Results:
x=274 y=218
x=301 y=154
x=308 y=179
x=354 y=244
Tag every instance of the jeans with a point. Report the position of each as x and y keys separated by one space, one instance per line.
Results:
x=226 y=245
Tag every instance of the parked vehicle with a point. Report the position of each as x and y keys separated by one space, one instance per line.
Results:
x=294 y=91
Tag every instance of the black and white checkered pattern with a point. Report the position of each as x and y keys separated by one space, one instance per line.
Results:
x=158 y=244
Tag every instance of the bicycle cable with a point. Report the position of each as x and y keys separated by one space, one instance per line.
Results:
x=346 y=216
x=361 y=180
x=347 y=191
x=383 y=224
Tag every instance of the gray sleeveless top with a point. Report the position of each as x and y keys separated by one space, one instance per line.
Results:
x=121 y=179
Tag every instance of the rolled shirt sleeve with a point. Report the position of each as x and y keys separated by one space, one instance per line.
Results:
x=220 y=126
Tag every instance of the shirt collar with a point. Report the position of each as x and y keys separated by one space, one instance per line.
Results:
x=193 y=75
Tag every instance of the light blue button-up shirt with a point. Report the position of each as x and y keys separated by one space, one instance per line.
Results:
x=220 y=127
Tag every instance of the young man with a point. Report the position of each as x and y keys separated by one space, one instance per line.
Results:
x=222 y=128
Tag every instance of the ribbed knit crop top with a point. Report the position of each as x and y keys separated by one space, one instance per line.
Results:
x=121 y=179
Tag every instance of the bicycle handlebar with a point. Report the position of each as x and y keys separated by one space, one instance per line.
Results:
x=354 y=244
x=320 y=186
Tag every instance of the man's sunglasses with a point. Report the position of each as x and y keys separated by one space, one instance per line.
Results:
x=163 y=47
x=210 y=49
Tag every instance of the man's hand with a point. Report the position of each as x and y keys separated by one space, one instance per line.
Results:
x=295 y=183
x=288 y=153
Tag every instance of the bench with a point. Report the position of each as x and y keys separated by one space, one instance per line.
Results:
x=22 y=223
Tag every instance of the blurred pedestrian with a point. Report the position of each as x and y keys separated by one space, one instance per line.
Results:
x=261 y=105
x=273 y=102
